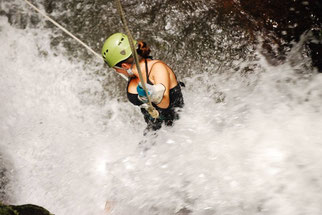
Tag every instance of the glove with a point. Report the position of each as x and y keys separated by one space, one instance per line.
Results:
x=155 y=92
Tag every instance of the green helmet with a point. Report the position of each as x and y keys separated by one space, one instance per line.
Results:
x=116 y=48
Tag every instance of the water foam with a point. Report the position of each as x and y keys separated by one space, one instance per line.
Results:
x=245 y=144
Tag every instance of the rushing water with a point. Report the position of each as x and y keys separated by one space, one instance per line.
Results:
x=248 y=142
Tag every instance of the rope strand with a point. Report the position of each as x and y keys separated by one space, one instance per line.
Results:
x=152 y=111
x=70 y=34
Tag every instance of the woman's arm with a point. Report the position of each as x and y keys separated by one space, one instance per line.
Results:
x=160 y=75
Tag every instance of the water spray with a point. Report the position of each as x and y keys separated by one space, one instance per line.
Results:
x=152 y=111
x=69 y=33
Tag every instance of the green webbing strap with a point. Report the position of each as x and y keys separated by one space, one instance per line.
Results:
x=152 y=111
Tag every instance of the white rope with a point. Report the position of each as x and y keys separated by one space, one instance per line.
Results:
x=152 y=111
x=70 y=34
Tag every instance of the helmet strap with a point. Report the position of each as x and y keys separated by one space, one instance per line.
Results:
x=129 y=71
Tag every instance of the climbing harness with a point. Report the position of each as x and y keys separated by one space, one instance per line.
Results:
x=70 y=34
x=152 y=111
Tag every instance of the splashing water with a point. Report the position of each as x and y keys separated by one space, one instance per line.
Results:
x=246 y=143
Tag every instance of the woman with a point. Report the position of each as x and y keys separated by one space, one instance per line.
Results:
x=164 y=89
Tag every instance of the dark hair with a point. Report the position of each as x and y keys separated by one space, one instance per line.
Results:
x=143 y=51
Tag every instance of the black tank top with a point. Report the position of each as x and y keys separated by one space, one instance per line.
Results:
x=167 y=115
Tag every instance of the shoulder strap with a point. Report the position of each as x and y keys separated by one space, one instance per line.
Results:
x=146 y=69
x=147 y=72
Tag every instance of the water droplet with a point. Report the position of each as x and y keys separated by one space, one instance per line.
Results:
x=305 y=3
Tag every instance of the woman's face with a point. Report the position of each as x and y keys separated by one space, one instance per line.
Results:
x=126 y=69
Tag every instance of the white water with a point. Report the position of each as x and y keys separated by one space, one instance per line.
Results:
x=72 y=150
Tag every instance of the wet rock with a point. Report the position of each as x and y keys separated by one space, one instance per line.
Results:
x=49 y=6
x=4 y=180
x=17 y=16
x=280 y=23
x=315 y=47
x=27 y=209
x=184 y=211
x=207 y=33
x=191 y=25
x=287 y=19
x=5 y=210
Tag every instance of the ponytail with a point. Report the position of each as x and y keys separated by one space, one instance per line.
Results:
x=143 y=49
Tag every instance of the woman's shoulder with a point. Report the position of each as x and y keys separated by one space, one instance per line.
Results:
x=154 y=61
x=158 y=64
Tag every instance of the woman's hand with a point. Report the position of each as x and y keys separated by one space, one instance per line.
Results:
x=156 y=93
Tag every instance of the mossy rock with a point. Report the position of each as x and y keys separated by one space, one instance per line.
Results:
x=27 y=209
x=5 y=210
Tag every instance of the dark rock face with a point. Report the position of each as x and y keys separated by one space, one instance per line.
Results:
x=192 y=36
x=281 y=23
x=3 y=183
x=4 y=180
x=315 y=47
x=194 y=30
x=5 y=210
x=199 y=29
x=287 y=19
x=23 y=210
